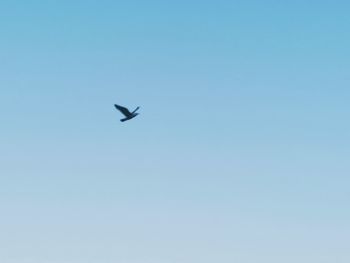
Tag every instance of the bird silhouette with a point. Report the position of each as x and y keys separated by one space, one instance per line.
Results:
x=128 y=115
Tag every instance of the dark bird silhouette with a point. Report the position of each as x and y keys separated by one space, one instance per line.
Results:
x=128 y=115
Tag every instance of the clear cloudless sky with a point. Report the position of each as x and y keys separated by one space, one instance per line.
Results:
x=240 y=153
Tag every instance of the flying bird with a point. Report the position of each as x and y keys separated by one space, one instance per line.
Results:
x=128 y=115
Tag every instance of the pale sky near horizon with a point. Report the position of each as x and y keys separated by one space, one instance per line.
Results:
x=240 y=152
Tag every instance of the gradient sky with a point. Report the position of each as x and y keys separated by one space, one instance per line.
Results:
x=240 y=154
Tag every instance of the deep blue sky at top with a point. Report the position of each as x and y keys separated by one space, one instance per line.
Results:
x=240 y=153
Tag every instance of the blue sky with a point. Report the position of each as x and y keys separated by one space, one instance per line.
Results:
x=240 y=153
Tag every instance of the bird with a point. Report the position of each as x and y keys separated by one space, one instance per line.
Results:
x=128 y=115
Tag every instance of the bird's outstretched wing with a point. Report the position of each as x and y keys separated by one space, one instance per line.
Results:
x=123 y=110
